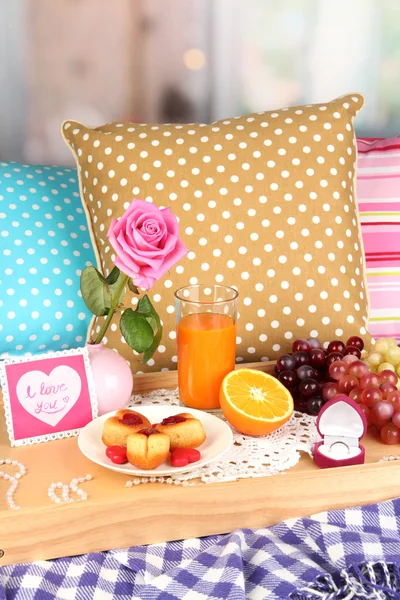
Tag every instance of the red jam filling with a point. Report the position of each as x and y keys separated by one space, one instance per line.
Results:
x=148 y=432
x=131 y=419
x=173 y=420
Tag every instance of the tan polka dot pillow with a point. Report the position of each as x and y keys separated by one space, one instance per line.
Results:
x=266 y=203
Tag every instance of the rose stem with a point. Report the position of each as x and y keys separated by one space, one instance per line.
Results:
x=111 y=312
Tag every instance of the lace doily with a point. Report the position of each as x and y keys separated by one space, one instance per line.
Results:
x=248 y=456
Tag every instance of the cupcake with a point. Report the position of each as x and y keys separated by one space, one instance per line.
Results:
x=184 y=430
x=118 y=428
x=147 y=449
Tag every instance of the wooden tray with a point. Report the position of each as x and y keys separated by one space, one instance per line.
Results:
x=115 y=516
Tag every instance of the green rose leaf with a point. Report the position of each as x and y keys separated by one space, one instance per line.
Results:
x=132 y=286
x=115 y=290
x=146 y=308
x=136 y=330
x=113 y=276
x=156 y=342
x=94 y=291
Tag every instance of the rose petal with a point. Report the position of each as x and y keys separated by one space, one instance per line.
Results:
x=122 y=250
x=135 y=234
x=134 y=211
x=121 y=253
x=178 y=252
x=153 y=232
x=143 y=281
x=140 y=257
x=171 y=223
x=126 y=268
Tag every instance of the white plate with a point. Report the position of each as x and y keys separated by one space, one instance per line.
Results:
x=219 y=439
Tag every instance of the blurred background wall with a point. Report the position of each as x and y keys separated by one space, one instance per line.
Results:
x=188 y=60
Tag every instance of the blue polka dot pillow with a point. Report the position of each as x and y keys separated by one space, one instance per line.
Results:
x=44 y=245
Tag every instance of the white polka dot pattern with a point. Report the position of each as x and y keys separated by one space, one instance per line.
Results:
x=265 y=203
x=44 y=245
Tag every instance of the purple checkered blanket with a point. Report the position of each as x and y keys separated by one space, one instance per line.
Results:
x=351 y=554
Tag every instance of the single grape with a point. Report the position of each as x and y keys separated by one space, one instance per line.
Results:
x=330 y=390
x=349 y=359
x=355 y=394
x=336 y=346
x=393 y=355
x=314 y=343
x=305 y=372
x=396 y=419
x=385 y=366
x=390 y=434
x=382 y=410
x=387 y=376
x=374 y=359
x=337 y=370
x=387 y=388
x=392 y=342
x=301 y=358
x=301 y=346
x=357 y=368
x=394 y=398
x=317 y=358
x=375 y=421
x=320 y=376
x=332 y=357
x=285 y=363
x=355 y=341
x=347 y=383
x=366 y=412
x=352 y=350
x=370 y=380
x=381 y=346
x=301 y=405
x=315 y=404
x=371 y=396
x=288 y=378
x=309 y=387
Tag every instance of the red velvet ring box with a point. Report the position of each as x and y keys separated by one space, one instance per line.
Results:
x=341 y=424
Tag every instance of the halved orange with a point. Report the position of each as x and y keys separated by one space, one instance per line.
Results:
x=254 y=402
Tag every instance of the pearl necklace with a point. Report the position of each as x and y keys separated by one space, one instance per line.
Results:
x=389 y=458
x=14 y=479
x=66 y=489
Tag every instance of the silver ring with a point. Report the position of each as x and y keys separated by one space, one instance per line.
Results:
x=342 y=444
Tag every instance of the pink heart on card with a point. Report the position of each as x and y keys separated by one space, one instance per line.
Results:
x=49 y=397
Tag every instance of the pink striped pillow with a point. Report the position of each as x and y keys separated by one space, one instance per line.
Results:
x=378 y=190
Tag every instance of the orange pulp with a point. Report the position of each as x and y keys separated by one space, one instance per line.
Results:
x=206 y=353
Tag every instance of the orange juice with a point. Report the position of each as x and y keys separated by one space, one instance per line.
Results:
x=206 y=353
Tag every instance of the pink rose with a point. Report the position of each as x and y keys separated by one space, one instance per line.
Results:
x=146 y=242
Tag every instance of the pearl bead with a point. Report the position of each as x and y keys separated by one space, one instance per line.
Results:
x=66 y=489
x=14 y=479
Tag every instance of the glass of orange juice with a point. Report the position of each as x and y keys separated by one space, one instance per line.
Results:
x=206 y=336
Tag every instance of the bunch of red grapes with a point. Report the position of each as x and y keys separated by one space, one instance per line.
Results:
x=306 y=370
x=376 y=393
x=314 y=376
